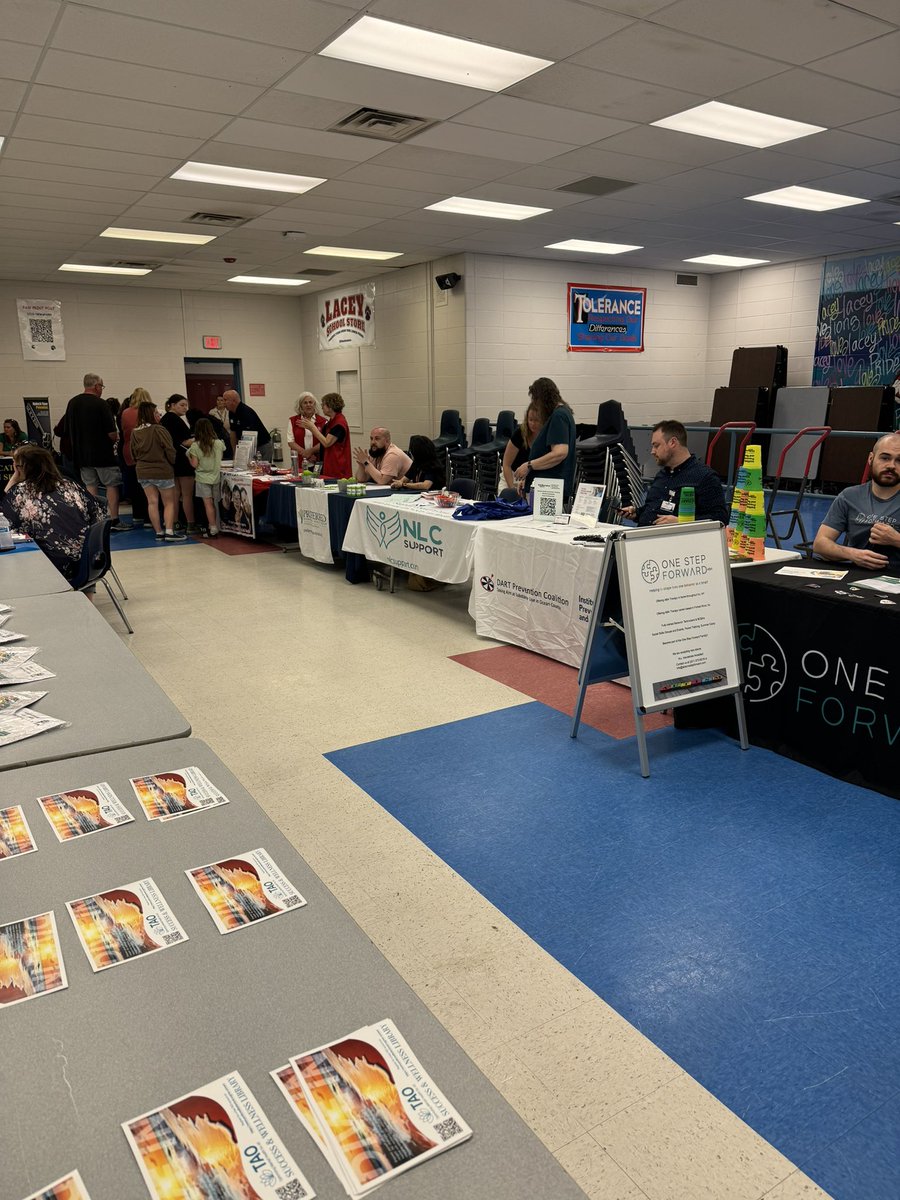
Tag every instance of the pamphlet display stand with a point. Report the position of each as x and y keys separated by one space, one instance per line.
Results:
x=664 y=615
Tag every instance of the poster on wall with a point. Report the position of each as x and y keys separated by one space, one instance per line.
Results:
x=236 y=504
x=347 y=317
x=41 y=330
x=605 y=319
x=858 y=322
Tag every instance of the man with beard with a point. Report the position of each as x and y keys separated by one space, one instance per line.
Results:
x=678 y=469
x=869 y=514
x=383 y=462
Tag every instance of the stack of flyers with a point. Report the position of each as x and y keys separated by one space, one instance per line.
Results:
x=84 y=810
x=124 y=923
x=12 y=655
x=16 y=667
x=70 y=1187
x=175 y=793
x=13 y=701
x=15 y=836
x=214 y=1142
x=369 y=1106
x=16 y=726
x=7 y=635
x=242 y=890
x=31 y=962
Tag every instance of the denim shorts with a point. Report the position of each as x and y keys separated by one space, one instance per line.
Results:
x=101 y=476
x=208 y=491
x=161 y=484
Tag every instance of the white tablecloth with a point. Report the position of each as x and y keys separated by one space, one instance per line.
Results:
x=414 y=536
x=312 y=523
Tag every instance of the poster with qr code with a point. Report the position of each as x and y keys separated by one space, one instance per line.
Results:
x=124 y=923
x=244 y=889
x=379 y=1111
x=548 y=499
x=215 y=1141
x=83 y=811
x=70 y=1187
x=41 y=330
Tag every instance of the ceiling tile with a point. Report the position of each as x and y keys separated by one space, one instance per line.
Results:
x=124 y=114
x=631 y=8
x=31 y=189
x=302 y=141
x=768 y=167
x=11 y=93
x=607 y=95
x=404 y=198
x=510 y=115
x=17 y=60
x=362 y=207
x=665 y=145
x=885 y=127
x=596 y=160
x=469 y=139
x=29 y=20
x=305 y=112
x=845 y=149
x=21 y=168
x=426 y=162
x=260 y=159
x=105 y=137
x=149 y=167
x=873 y=63
x=802 y=95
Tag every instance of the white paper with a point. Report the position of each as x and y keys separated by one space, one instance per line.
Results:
x=16 y=654
x=68 y=1187
x=80 y=812
x=5 y=608
x=122 y=923
x=880 y=583
x=811 y=572
x=9 y=635
x=175 y=793
x=13 y=701
x=17 y=726
x=16 y=837
x=23 y=671
x=41 y=330
x=548 y=499
x=588 y=502
x=31 y=961
x=243 y=889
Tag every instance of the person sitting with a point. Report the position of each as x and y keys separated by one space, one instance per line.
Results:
x=12 y=436
x=426 y=473
x=56 y=513
x=552 y=453
x=519 y=446
x=869 y=514
x=383 y=462
x=678 y=469
x=303 y=441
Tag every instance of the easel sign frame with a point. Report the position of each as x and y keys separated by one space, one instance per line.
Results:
x=664 y=615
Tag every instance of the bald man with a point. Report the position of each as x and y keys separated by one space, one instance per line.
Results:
x=869 y=514
x=243 y=419
x=383 y=462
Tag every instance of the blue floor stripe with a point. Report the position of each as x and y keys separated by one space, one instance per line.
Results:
x=740 y=909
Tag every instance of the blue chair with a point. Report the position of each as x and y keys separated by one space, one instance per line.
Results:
x=96 y=563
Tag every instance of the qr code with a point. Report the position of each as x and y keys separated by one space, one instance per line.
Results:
x=41 y=329
x=171 y=938
x=291 y=1191
x=291 y=901
x=447 y=1129
x=548 y=506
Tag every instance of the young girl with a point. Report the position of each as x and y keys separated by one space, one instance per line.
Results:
x=205 y=456
x=154 y=458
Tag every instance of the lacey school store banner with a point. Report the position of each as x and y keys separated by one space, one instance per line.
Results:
x=609 y=319
x=347 y=317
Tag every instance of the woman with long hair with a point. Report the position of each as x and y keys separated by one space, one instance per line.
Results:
x=426 y=473
x=12 y=436
x=519 y=446
x=552 y=453
x=205 y=456
x=56 y=513
x=154 y=458
x=127 y=422
x=176 y=422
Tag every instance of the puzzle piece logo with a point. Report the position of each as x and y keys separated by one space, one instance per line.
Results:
x=765 y=663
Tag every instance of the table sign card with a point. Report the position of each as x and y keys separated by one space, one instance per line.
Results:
x=588 y=502
x=548 y=499
x=244 y=452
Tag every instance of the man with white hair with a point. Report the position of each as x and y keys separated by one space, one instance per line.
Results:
x=869 y=514
x=91 y=429
x=383 y=462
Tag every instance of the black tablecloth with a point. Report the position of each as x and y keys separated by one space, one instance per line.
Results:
x=822 y=674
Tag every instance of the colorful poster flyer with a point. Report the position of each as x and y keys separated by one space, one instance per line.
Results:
x=175 y=793
x=380 y=1113
x=15 y=836
x=70 y=1187
x=17 y=726
x=85 y=810
x=13 y=701
x=289 y=1085
x=31 y=962
x=214 y=1142
x=124 y=923
x=242 y=890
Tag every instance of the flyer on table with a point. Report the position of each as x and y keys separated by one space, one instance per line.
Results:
x=380 y=1112
x=84 y=810
x=31 y=963
x=17 y=726
x=22 y=671
x=289 y=1084
x=123 y=923
x=15 y=836
x=244 y=889
x=214 y=1142
x=70 y=1187
x=16 y=654
x=13 y=701
x=175 y=793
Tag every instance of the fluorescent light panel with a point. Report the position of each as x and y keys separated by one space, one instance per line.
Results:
x=395 y=47
x=576 y=245
x=744 y=126
x=267 y=181
x=810 y=199
x=347 y=252
x=467 y=207
x=727 y=260
x=271 y=281
x=158 y=235
x=104 y=270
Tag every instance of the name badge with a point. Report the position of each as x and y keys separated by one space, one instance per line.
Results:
x=667 y=506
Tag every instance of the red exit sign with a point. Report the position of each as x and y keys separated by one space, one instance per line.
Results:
x=210 y=342
x=257 y=389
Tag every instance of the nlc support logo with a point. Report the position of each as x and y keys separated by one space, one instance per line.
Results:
x=385 y=527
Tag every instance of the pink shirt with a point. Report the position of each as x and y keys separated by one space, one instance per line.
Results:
x=393 y=464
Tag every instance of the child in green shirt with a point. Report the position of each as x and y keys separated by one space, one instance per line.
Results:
x=205 y=456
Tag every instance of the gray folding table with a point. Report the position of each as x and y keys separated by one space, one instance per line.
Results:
x=29 y=573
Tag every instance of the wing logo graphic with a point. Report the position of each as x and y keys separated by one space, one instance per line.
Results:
x=384 y=527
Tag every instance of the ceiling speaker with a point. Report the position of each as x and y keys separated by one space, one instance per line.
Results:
x=448 y=281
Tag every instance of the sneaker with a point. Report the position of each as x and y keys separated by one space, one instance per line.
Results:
x=213 y=531
x=119 y=527
x=160 y=537
x=193 y=529
x=176 y=536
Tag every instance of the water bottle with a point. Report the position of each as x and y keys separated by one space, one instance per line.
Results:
x=295 y=463
x=6 y=541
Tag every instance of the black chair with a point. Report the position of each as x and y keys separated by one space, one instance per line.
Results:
x=452 y=432
x=466 y=487
x=510 y=495
x=506 y=425
x=462 y=460
x=96 y=563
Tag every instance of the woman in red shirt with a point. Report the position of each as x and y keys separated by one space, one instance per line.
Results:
x=334 y=438
x=302 y=440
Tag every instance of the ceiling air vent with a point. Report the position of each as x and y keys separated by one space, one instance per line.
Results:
x=318 y=272
x=595 y=185
x=386 y=126
x=687 y=280
x=139 y=266
x=223 y=220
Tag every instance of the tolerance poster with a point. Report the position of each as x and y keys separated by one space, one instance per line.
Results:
x=605 y=319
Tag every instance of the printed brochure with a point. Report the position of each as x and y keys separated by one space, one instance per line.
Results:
x=811 y=572
x=31 y=962
x=13 y=701
x=242 y=890
x=379 y=1111
x=7 y=635
x=15 y=727
x=289 y=1085
x=15 y=836
x=84 y=810
x=16 y=654
x=124 y=923
x=889 y=584
x=175 y=793
x=70 y=1187
x=215 y=1141
x=587 y=503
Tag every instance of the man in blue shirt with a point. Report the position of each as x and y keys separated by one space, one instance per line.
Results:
x=679 y=469
x=869 y=514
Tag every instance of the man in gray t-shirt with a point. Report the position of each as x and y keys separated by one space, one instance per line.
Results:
x=869 y=514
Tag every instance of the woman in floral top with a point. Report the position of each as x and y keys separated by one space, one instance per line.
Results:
x=53 y=511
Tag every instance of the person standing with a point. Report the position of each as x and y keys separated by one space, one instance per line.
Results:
x=92 y=432
x=333 y=437
x=205 y=456
x=179 y=428
x=303 y=440
x=243 y=419
x=127 y=424
x=154 y=458
x=552 y=453
x=519 y=446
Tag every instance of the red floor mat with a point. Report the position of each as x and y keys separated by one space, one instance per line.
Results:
x=607 y=706
x=226 y=544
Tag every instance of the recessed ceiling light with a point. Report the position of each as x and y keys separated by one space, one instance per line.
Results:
x=347 y=252
x=807 y=198
x=467 y=207
x=727 y=260
x=271 y=281
x=267 y=181
x=741 y=125
x=157 y=235
x=576 y=244
x=104 y=270
x=396 y=47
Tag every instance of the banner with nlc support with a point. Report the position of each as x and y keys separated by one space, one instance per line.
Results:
x=605 y=319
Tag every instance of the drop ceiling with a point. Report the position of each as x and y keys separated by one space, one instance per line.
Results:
x=100 y=103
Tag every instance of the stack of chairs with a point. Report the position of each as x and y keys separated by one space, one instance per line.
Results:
x=451 y=437
x=624 y=484
x=489 y=456
x=462 y=460
x=592 y=453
